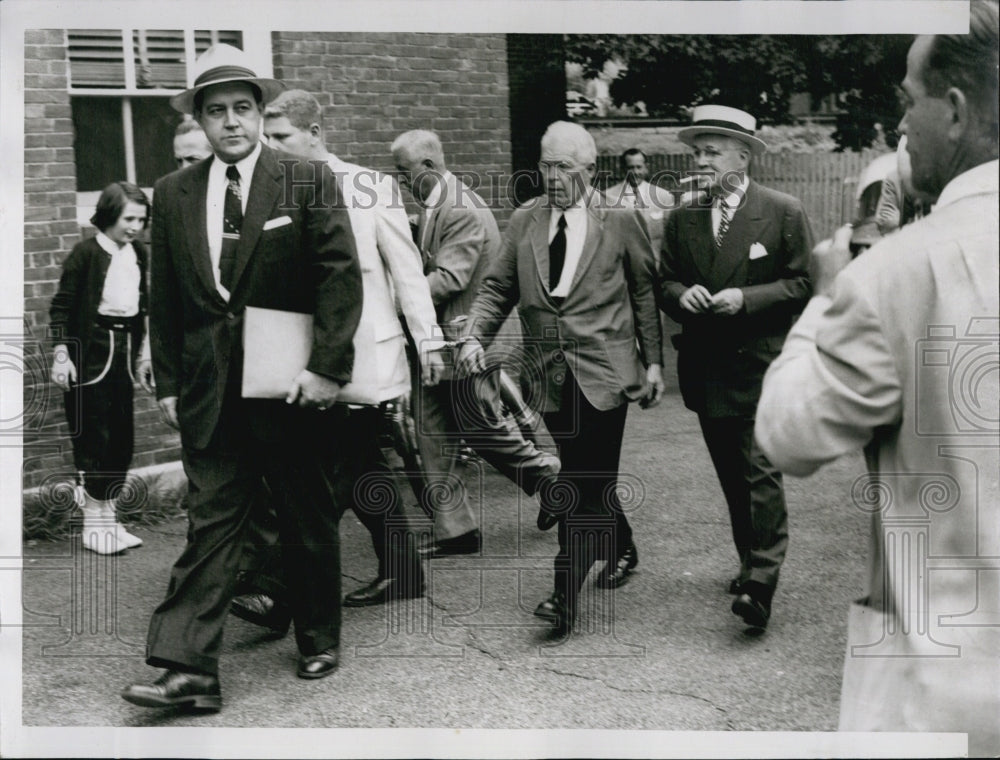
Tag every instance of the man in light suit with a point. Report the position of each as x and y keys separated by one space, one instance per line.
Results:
x=458 y=238
x=391 y=270
x=734 y=276
x=244 y=229
x=582 y=276
x=635 y=191
x=898 y=353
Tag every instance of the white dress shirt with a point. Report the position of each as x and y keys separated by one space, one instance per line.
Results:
x=733 y=200
x=120 y=296
x=576 y=234
x=216 y=199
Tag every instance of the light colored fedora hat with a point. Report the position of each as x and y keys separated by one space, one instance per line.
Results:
x=224 y=63
x=723 y=120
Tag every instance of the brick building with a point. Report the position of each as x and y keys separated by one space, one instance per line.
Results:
x=96 y=111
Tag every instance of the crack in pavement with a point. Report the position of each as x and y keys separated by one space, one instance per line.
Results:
x=626 y=690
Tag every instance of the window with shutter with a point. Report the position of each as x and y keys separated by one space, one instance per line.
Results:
x=120 y=81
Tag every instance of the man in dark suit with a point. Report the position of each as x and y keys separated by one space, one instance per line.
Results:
x=250 y=227
x=458 y=239
x=582 y=276
x=734 y=270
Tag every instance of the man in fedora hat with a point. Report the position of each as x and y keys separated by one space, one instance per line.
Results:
x=734 y=274
x=249 y=227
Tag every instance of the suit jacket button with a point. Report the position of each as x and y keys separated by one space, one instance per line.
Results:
x=230 y=316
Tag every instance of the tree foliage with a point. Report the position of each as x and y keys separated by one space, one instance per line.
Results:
x=759 y=74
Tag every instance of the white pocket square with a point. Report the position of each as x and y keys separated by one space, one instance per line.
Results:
x=279 y=221
x=757 y=251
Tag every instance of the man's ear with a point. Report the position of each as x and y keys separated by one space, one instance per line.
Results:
x=961 y=114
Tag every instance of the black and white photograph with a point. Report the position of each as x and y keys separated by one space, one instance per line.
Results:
x=500 y=379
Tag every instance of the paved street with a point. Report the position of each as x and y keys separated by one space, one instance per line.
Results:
x=472 y=655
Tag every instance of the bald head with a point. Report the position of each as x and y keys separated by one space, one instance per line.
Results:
x=419 y=159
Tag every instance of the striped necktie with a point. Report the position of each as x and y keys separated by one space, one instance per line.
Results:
x=232 y=221
x=725 y=217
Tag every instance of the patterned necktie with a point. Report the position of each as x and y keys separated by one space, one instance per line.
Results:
x=232 y=221
x=557 y=253
x=725 y=216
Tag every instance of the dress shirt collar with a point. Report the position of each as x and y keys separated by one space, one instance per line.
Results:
x=244 y=166
x=576 y=216
x=110 y=245
x=979 y=179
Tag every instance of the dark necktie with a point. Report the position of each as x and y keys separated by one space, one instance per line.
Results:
x=557 y=253
x=232 y=220
x=725 y=217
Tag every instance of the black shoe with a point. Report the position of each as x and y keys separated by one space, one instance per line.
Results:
x=467 y=543
x=319 y=665
x=382 y=590
x=557 y=611
x=735 y=585
x=262 y=610
x=546 y=520
x=754 y=604
x=193 y=691
x=617 y=573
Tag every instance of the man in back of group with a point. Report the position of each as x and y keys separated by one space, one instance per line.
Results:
x=635 y=191
x=459 y=239
x=898 y=353
x=190 y=143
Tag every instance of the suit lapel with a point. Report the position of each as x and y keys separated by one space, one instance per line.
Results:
x=701 y=241
x=264 y=190
x=195 y=191
x=539 y=236
x=743 y=231
x=595 y=223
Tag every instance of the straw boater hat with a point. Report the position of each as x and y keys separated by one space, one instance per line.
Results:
x=224 y=63
x=722 y=120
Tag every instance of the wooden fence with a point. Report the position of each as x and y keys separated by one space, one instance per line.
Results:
x=825 y=182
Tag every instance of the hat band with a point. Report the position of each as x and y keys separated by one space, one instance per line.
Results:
x=724 y=125
x=222 y=73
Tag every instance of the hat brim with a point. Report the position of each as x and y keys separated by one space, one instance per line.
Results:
x=689 y=134
x=269 y=90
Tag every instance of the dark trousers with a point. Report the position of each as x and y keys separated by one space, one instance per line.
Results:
x=100 y=413
x=361 y=479
x=224 y=479
x=594 y=526
x=754 y=493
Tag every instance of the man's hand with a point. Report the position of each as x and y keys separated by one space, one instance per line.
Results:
x=144 y=373
x=63 y=372
x=728 y=301
x=471 y=358
x=696 y=299
x=828 y=258
x=313 y=391
x=168 y=411
x=654 y=387
x=431 y=368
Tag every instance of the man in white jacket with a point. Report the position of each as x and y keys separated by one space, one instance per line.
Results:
x=898 y=353
x=391 y=272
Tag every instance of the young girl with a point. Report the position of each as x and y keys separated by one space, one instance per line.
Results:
x=97 y=318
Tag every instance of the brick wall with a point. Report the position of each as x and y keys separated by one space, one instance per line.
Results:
x=50 y=232
x=375 y=86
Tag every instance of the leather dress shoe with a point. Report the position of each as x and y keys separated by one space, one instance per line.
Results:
x=319 y=665
x=382 y=590
x=735 y=585
x=754 y=612
x=262 y=610
x=617 y=574
x=557 y=611
x=467 y=543
x=193 y=691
